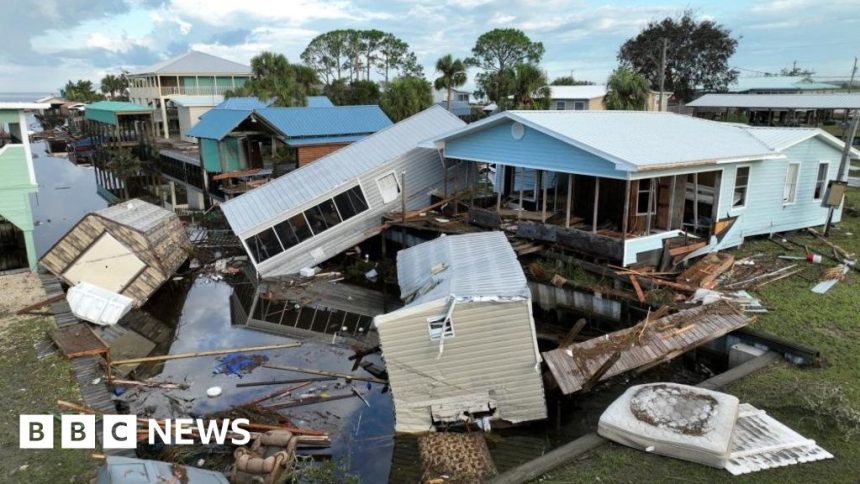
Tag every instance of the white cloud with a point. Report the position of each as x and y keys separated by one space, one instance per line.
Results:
x=294 y=12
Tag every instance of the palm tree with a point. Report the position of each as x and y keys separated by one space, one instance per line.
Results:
x=530 y=88
x=627 y=91
x=125 y=166
x=113 y=86
x=453 y=74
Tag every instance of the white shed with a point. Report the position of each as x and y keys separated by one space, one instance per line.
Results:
x=464 y=346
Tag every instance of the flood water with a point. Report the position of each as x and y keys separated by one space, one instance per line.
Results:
x=196 y=314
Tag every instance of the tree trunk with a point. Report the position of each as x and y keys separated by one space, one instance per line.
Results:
x=449 y=98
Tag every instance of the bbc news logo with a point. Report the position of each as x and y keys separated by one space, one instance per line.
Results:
x=121 y=431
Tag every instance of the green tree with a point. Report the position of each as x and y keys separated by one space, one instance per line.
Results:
x=357 y=53
x=529 y=87
x=393 y=52
x=363 y=92
x=569 y=81
x=627 y=90
x=497 y=52
x=453 y=75
x=697 y=54
x=406 y=96
x=80 y=91
x=275 y=78
x=115 y=87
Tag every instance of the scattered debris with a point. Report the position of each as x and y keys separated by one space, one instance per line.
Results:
x=705 y=271
x=456 y=457
x=831 y=277
x=239 y=364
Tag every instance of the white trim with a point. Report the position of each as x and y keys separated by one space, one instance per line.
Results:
x=796 y=183
x=25 y=140
x=823 y=183
x=735 y=186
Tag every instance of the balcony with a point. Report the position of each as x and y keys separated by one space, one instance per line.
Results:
x=166 y=91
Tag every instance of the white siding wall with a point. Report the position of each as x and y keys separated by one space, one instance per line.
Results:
x=492 y=351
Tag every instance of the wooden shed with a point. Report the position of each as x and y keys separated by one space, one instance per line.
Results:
x=131 y=249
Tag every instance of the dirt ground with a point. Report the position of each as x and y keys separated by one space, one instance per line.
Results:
x=18 y=291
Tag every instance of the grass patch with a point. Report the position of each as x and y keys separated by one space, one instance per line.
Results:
x=822 y=404
x=31 y=386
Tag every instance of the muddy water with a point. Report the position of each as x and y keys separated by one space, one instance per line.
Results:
x=362 y=436
x=66 y=193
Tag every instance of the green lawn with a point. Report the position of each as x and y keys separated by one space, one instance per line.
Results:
x=821 y=403
x=31 y=386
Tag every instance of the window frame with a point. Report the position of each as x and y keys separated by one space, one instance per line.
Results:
x=639 y=193
x=560 y=105
x=396 y=183
x=447 y=328
x=821 y=183
x=584 y=105
x=796 y=183
x=746 y=186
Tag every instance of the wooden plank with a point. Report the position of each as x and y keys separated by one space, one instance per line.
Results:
x=637 y=288
x=78 y=340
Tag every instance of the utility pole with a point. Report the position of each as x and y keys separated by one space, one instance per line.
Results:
x=843 y=165
x=853 y=71
x=662 y=74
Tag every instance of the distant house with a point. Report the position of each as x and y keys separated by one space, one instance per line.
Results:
x=775 y=109
x=779 y=85
x=461 y=101
x=17 y=182
x=189 y=109
x=464 y=347
x=311 y=214
x=641 y=187
x=590 y=98
x=131 y=248
x=191 y=74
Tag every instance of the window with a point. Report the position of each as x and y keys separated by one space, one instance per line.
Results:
x=560 y=106
x=642 y=198
x=463 y=97
x=789 y=191
x=821 y=181
x=293 y=231
x=742 y=178
x=435 y=326
x=579 y=105
x=388 y=187
x=317 y=219
x=263 y=245
x=350 y=202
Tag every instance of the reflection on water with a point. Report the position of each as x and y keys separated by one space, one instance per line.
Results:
x=66 y=193
x=362 y=436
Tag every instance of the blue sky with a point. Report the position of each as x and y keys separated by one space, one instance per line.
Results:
x=46 y=42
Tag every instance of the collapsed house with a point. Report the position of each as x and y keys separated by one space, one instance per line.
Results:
x=129 y=249
x=315 y=212
x=464 y=345
x=646 y=187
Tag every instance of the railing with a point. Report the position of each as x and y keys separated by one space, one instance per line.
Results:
x=153 y=92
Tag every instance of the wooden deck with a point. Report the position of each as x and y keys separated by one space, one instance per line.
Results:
x=643 y=345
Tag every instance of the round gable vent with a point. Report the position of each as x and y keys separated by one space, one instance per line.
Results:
x=518 y=130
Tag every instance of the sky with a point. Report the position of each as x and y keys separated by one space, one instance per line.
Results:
x=46 y=42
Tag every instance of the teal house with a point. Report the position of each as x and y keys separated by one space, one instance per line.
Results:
x=17 y=182
x=645 y=187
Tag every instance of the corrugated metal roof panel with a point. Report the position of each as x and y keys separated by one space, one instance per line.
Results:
x=638 y=140
x=338 y=120
x=218 y=123
x=322 y=140
x=466 y=266
x=252 y=209
x=781 y=138
x=778 y=101
x=96 y=305
x=136 y=214
x=195 y=62
x=319 y=102
x=118 y=107
x=777 y=83
x=246 y=103
x=577 y=92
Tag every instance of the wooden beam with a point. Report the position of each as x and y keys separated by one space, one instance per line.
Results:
x=522 y=185
x=543 y=197
x=570 y=177
x=203 y=353
x=571 y=335
x=672 y=202
x=650 y=209
x=596 y=200
x=626 y=213
x=345 y=376
x=639 y=293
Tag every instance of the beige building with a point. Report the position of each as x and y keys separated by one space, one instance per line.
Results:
x=194 y=74
x=464 y=347
x=590 y=98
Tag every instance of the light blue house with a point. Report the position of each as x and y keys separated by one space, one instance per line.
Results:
x=646 y=187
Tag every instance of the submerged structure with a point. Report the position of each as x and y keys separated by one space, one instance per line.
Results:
x=319 y=210
x=645 y=187
x=130 y=249
x=17 y=182
x=464 y=347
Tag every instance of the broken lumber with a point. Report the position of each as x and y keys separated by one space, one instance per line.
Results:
x=593 y=379
x=760 y=276
x=345 y=376
x=283 y=382
x=203 y=353
x=309 y=401
x=150 y=384
x=278 y=393
x=40 y=304
x=571 y=335
x=842 y=252
x=639 y=294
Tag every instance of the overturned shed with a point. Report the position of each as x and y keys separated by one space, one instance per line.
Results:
x=321 y=209
x=129 y=249
x=464 y=347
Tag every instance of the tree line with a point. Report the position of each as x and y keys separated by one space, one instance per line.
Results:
x=375 y=67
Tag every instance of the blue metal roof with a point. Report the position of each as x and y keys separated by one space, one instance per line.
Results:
x=333 y=121
x=324 y=140
x=243 y=103
x=319 y=102
x=458 y=108
x=218 y=123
